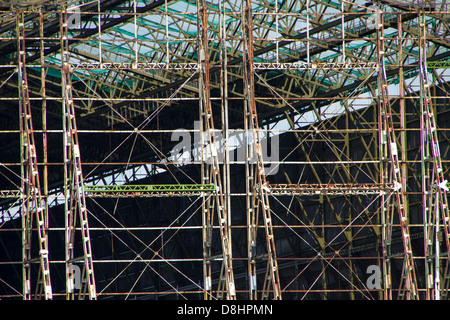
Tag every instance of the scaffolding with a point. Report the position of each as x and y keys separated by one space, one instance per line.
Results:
x=314 y=148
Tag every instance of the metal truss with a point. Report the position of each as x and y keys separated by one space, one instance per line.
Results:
x=433 y=176
x=438 y=64
x=351 y=99
x=409 y=280
x=75 y=202
x=330 y=189
x=213 y=172
x=32 y=203
x=260 y=201
x=148 y=190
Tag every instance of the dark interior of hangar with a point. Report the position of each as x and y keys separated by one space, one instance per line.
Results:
x=146 y=246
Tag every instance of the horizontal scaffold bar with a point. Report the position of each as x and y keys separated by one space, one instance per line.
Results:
x=147 y=190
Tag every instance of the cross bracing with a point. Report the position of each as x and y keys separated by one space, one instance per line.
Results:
x=322 y=126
